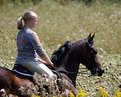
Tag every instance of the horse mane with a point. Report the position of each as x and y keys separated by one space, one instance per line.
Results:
x=58 y=54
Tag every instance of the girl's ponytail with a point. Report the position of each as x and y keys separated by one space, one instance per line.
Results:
x=20 y=23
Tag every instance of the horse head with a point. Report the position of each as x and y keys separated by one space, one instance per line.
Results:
x=69 y=56
x=83 y=51
x=91 y=57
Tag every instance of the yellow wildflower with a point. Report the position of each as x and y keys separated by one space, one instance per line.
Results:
x=103 y=93
x=72 y=95
x=117 y=94
x=32 y=94
x=81 y=94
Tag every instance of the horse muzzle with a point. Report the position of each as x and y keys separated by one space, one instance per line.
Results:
x=97 y=71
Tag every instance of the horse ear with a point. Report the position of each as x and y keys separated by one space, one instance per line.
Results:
x=91 y=39
x=89 y=36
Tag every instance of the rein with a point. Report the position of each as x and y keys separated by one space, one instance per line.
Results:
x=68 y=72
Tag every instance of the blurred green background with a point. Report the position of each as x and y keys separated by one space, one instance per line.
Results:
x=62 y=20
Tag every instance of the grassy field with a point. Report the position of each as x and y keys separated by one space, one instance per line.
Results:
x=58 y=23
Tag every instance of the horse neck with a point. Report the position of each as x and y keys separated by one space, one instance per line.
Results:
x=72 y=62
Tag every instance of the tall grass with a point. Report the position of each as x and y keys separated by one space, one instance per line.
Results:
x=73 y=21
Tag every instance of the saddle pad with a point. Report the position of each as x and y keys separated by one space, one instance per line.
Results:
x=22 y=70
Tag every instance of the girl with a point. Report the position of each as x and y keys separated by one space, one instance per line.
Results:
x=29 y=46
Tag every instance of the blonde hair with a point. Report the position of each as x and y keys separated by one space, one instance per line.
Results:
x=26 y=16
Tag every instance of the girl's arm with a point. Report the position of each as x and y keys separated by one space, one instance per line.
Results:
x=40 y=51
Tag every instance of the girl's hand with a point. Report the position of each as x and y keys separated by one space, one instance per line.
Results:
x=48 y=64
x=51 y=64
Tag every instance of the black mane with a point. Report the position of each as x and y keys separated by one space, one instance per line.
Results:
x=58 y=54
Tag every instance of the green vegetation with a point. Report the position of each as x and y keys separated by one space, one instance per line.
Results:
x=73 y=21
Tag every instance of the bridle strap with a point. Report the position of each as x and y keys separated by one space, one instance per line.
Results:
x=91 y=53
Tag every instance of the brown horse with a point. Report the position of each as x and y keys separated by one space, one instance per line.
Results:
x=66 y=60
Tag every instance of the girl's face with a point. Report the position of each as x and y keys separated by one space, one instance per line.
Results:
x=32 y=22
